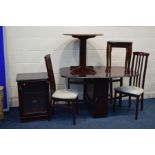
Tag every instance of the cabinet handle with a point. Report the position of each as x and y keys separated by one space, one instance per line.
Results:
x=20 y=88
x=34 y=101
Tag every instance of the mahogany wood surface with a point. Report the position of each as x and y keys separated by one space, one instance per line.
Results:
x=139 y=64
x=119 y=44
x=52 y=83
x=33 y=93
x=100 y=72
x=82 y=57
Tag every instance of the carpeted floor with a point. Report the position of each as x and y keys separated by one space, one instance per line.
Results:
x=122 y=119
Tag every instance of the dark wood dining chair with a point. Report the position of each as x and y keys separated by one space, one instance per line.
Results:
x=136 y=83
x=117 y=44
x=66 y=95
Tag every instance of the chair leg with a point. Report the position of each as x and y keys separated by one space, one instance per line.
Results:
x=68 y=83
x=68 y=86
x=49 y=109
x=114 y=104
x=68 y=103
x=120 y=100
x=53 y=106
x=137 y=108
x=142 y=96
x=74 y=112
x=77 y=107
x=121 y=82
x=129 y=101
x=84 y=90
x=120 y=97
x=111 y=91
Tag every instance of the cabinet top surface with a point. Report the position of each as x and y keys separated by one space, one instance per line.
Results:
x=40 y=76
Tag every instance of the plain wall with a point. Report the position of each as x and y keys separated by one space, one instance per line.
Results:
x=26 y=46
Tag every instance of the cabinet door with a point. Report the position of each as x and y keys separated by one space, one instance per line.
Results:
x=35 y=97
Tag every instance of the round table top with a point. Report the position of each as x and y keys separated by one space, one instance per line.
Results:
x=83 y=35
x=116 y=72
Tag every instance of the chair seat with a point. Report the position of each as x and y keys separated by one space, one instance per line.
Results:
x=67 y=94
x=117 y=79
x=130 y=90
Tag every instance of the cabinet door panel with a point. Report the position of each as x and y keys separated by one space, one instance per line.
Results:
x=34 y=97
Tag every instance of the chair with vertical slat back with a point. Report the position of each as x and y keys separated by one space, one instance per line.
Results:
x=136 y=83
x=62 y=94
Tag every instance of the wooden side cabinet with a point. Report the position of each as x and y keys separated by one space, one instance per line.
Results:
x=33 y=93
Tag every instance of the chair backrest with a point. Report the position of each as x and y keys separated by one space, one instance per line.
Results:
x=139 y=66
x=50 y=73
x=119 y=44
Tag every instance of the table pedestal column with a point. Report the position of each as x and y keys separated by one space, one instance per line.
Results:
x=82 y=68
x=97 y=93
